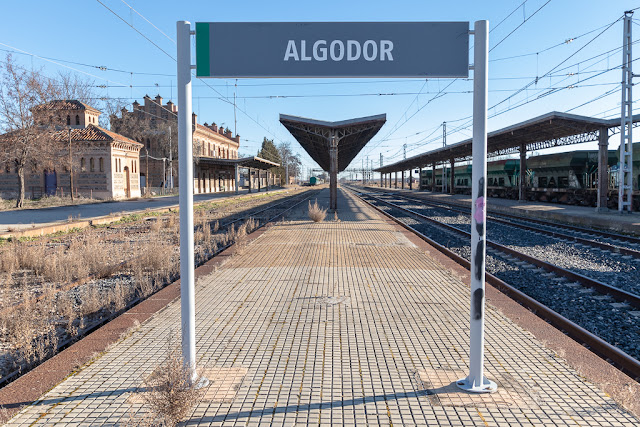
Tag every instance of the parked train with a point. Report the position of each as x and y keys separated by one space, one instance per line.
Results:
x=315 y=181
x=570 y=178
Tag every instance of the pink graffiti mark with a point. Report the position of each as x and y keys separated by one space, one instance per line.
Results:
x=479 y=215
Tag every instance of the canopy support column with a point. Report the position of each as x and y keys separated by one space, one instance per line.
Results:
x=333 y=172
x=410 y=178
x=522 y=181
x=433 y=177
x=403 y=179
x=452 y=190
x=237 y=179
x=603 y=166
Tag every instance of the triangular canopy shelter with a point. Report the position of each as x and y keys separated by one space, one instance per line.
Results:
x=333 y=145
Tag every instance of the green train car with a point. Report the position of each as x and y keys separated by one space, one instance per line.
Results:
x=570 y=178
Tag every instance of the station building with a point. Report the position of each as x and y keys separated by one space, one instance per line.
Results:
x=105 y=164
x=159 y=135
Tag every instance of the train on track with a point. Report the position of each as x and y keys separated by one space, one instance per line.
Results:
x=315 y=181
x=569 y=178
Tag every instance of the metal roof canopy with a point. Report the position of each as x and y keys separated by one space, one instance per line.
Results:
x=245 y=162
x=553 y=129
x=314 y=136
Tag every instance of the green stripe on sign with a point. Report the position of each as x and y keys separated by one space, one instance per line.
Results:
x=202 y=50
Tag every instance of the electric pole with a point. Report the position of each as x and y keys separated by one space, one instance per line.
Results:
x=70 y=167
x=625 y=174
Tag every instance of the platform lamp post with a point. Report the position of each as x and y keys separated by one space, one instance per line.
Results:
x=185 y=173
x=476 y=382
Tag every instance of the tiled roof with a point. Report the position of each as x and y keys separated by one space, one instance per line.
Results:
x=64 y=104
x=92 y=133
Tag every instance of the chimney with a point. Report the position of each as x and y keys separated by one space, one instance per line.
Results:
x=221 y=131
x=214 y=127
x=237 y=138
x=159 y=100
x=227 y=133
x=194 y=119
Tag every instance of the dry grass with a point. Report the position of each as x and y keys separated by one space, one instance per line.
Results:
x=170 y=391
x=316 y=213
x=50 y=288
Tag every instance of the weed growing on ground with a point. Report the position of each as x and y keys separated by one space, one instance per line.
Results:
x=170 y=390
x=316 y=213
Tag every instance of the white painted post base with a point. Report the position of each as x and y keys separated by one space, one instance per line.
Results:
x=467 y=384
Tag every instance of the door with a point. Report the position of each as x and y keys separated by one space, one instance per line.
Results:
x=50 y=182
x=127 y=182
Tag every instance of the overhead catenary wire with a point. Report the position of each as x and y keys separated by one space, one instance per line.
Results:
x=223 y=98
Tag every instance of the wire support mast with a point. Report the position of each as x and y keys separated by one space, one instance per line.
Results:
x=625 y=175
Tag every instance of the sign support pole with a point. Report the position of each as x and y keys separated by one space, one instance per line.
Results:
x=476 y=382
x=185 y=165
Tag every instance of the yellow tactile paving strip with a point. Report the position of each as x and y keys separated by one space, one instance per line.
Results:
x=342 y=323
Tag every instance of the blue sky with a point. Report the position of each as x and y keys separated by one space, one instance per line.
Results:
x=531 y=36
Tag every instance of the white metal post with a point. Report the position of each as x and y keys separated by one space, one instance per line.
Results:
x=476 y=381
x=185 y=166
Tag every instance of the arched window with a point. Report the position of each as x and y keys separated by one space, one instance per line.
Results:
x=77 y=119
x=83 y=164
x=101 y=164
x=148 y=144
x=92 y=165
x=68 y=120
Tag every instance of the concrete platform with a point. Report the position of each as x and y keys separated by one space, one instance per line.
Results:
x=345 y=323
x=578 y=215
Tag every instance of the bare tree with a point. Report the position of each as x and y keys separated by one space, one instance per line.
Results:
x=71 y=86
x=291 y=162
x=23 y=143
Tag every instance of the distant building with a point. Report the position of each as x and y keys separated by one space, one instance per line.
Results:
x=209 y=142
x=105 y=164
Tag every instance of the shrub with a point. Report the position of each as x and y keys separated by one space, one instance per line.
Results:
x=316 y=213
x=170 y=392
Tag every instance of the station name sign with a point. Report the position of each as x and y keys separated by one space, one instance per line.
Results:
x=332 y=49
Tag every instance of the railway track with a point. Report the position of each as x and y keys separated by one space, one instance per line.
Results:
x=260 y=215
x=616 y=243
x=599 y=315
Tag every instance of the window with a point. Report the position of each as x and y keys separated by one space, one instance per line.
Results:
x=77 y=119
x=101 y=164
x=83 y=165
x=7 y=168
x=92 y=165
x=68 y=120
x=148 y=144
